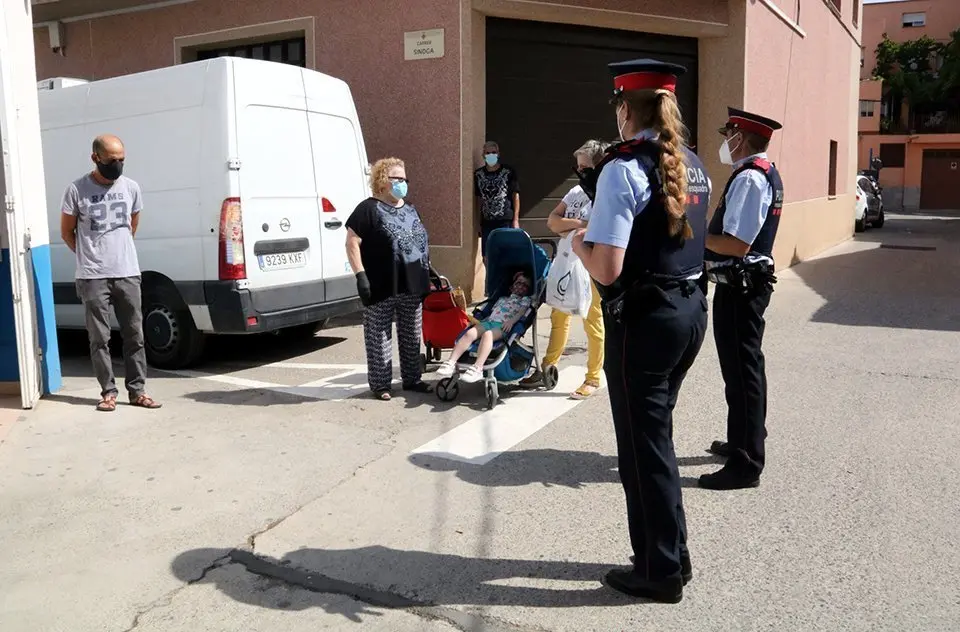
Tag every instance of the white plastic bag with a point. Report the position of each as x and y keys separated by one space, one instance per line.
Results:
x=568 y=282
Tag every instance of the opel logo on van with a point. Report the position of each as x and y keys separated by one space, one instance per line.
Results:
x=284 y=224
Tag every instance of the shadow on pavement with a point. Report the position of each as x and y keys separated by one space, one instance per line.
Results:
x=548 y=467
x=250 y=397
x=410 y=578
x=223 y=354
x=904 y=283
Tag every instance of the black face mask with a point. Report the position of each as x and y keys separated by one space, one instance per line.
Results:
x=110 y=171
x=588 y=180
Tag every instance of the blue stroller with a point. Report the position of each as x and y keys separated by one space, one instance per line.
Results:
x=508 y=249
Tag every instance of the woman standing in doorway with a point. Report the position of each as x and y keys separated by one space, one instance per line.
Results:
x=572 y=213
x=388 y=250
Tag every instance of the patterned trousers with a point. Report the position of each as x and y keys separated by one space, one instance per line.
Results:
x=407 y=311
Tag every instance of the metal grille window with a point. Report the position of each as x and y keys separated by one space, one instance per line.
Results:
x=288 y=51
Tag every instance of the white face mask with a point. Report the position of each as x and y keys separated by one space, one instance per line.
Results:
x=726 y=153
x=620 y=125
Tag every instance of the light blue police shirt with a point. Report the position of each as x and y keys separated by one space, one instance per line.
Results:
x=623 y=191
x=747 y=200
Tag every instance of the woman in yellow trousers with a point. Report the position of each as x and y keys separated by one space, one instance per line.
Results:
x=572 y=213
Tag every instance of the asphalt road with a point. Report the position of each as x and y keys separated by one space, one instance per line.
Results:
x=270 y=493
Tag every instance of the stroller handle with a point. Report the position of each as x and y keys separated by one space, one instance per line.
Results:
x=439 y=281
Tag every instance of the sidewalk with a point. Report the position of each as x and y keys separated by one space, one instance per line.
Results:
x=244 y=508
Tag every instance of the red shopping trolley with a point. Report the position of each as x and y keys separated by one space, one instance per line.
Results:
x=443 y=319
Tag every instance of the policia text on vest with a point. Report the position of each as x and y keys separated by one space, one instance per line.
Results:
x=644 y=247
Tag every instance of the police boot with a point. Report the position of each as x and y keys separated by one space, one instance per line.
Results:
x=628 y=582
x=729 y=477
x=720 y=448
x=686 y=568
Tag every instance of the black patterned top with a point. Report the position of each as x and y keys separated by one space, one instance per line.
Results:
x=393 y=247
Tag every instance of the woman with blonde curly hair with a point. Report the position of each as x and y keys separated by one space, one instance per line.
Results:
x=644 y=246
x=388 y=250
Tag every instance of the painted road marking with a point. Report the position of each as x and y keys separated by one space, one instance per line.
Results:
x=334 y=388
x=490 y=434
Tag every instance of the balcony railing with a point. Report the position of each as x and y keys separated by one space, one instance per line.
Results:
x=937 y=123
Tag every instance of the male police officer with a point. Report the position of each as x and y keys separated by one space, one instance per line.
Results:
x=739 y=259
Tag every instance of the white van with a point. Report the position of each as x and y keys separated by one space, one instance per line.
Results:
x=249 y=170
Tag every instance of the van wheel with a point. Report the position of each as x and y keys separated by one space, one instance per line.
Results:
x=171 y=339
x=860 y=225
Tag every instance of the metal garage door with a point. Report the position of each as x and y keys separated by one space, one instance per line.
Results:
x=940 y=182
x=548 y=90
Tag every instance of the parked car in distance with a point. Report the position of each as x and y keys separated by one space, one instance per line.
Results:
x=873 y=200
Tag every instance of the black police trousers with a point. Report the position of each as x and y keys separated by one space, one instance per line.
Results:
x=738 y=326
x=647 y=356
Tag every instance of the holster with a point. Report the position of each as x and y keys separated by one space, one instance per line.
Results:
x=749 y=278
x=643 y=297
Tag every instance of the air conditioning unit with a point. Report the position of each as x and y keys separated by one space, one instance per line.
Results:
x=58 y=83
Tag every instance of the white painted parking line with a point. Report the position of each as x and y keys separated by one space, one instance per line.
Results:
x=348 y=383
x=313 y=366
x=486 y=436
x=336 y=387
x=225 y=379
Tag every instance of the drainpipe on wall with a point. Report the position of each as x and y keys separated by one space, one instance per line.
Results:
x=906 y=162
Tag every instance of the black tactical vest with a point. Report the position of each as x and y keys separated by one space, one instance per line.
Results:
x=652 y=255
x=763 y=244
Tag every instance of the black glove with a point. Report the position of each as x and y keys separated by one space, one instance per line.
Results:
x=363 y=288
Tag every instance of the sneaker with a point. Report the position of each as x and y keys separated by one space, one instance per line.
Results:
x=532 y=380
x=472 y=375
x=446 y=369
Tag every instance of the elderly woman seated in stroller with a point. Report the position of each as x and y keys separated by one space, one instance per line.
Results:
x=506 y=312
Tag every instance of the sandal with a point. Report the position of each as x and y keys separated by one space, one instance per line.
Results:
x=107 y=404
x=145 y=401
x=382 y=395
x=586 y=390
x=418 y=387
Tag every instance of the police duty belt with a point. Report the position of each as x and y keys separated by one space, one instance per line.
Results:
x=748 y=277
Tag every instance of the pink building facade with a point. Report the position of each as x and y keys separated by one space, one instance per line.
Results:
x=920 y=155
x=530 y=75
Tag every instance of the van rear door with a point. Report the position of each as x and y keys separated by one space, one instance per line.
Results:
x=340 y=161
x=278 y=195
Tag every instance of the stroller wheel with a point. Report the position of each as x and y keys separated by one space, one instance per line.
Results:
x=447 y=389
x=436 y=353
x=550 y=377
x=493 y=394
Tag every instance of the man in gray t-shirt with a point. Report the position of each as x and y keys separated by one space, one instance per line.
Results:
x=99 y=218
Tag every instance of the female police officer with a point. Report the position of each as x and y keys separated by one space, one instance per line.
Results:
x=644 y=247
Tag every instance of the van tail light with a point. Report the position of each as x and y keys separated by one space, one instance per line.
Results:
x=328 y=206
x=233 y=267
